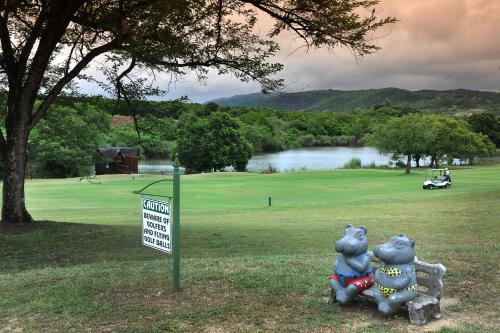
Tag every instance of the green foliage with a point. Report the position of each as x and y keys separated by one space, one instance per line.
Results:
x=65 y=144
x=488 y=124
x=151 y=145
x=353 y=163
x=212 y=143
x=405 y=136
x=437 y=136
x=270 y=169
x=452 y=138
x=123 y=136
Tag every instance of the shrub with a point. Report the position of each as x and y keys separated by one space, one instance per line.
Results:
x=353 y=163
x=270 y=169
x=306 y=140
x=344 y=140
x=372 y=165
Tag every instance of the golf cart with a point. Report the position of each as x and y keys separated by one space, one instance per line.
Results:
x=439 y=178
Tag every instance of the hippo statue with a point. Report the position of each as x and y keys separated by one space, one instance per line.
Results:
x=352 y=269
x=395 y=278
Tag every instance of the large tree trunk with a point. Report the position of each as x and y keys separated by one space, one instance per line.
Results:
x=433 y=161
x=417 y=160
x=13 y=205
x=408 y=164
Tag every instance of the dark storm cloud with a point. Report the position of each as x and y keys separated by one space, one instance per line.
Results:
x=441 y=44
x=437 y=44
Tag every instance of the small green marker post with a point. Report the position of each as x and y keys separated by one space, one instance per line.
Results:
x=176 y=227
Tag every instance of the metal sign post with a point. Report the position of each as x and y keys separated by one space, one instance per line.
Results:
x=176 y=227
x=161 y=227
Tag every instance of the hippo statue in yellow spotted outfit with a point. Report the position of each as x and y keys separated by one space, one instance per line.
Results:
x=395 y=278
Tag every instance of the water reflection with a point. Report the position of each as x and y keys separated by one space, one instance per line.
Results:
x=316 y=158
x=295 y=159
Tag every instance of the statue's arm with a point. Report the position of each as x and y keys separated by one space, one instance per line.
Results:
x=359 y=266
x=401 y=281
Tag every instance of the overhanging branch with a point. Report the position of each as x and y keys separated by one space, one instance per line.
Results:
x=9 y=61
x=54 y=92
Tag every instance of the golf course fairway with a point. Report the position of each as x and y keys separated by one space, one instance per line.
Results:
x=246 y=266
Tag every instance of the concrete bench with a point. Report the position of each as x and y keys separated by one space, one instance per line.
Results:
x=430 y=283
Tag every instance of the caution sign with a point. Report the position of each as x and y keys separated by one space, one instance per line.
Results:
x=156 y=225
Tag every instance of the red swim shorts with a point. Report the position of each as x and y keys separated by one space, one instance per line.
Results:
x=361 y=283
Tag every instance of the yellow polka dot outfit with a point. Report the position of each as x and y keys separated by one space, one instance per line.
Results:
x=392 y=271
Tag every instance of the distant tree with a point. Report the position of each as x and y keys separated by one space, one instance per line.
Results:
x=468 y=144
x=402 y=136
x=453 y=139
x=212 y=143
x=65 y=143
x=192 y=143
x=488 y=124
x=442 y=142
x=46 y=44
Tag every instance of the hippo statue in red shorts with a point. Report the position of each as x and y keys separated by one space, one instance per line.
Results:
x=352 y=268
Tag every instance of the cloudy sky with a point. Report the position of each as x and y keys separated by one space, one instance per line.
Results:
x=437 y=44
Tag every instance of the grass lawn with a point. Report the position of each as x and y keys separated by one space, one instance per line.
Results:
x=246 y=267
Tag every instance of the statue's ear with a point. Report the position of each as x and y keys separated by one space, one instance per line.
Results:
x=364 y=229
x=349 y=226
x=412 y=242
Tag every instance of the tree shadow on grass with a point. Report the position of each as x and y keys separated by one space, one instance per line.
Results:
x=47 y=243
x=53 y=244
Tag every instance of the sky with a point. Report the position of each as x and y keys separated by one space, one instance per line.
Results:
x=436 y=44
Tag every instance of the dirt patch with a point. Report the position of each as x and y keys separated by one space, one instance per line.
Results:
x=237 y=311
x=13 y=326
x=117 y=120
x=214 y=329
x=209 y=295
x=436 y=325
x=447 y=301
x=364 y=315
x=229 y=328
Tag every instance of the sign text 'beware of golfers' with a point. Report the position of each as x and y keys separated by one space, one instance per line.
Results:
x=156 y=225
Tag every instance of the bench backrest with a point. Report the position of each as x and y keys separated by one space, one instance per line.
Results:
x=428 y=275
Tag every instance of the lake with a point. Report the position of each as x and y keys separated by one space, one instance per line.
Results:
x=318 y=158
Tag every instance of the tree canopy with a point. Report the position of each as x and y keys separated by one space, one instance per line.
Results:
x=65 y=143
x=404 y=136
x=46 y=44
x=488 y=124
x=438 y=137
x=212 y=143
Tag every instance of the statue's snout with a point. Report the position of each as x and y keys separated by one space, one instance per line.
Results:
x=339 y=245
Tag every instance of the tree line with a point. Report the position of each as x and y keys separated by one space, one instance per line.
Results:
x=211 y=137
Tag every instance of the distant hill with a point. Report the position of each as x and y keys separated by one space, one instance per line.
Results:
x=445 y=101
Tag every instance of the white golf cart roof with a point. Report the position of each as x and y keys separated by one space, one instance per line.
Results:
x=439 y=169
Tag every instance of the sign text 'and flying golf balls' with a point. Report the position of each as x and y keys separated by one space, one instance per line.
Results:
x=156 y=225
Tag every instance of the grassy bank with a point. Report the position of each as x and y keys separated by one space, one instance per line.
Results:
x=246 y=267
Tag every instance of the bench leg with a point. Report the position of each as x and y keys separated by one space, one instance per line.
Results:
x=437 y=311
x=422 y=315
